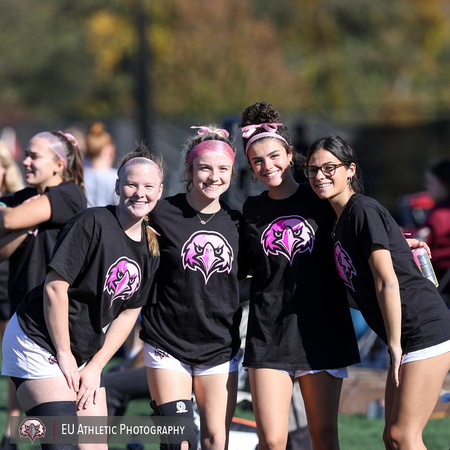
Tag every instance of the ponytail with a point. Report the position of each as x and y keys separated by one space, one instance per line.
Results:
x=152 y=240
x=75 y=160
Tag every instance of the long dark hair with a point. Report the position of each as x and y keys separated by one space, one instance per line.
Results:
x=339 y=148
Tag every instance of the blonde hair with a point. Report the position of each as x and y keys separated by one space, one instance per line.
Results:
x=96 y=139
x=13 y=180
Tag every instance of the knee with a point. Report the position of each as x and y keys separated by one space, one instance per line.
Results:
x=398 y=437
x=213 y=441
x=324 y=436
x=393 y=438
x=183 y=410
x=61 y=408
x=272 y=441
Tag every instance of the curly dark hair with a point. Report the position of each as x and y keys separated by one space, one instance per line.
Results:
x=262 y=112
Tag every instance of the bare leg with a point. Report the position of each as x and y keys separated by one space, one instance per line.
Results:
x=388 y=405
x=97 y=410
x=414 y=400
x=43 y=390
x=14 y=409
x=321 y=394
x=271 y=396
x=216 y=399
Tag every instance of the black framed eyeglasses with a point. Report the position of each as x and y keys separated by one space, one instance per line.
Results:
x=327 y=169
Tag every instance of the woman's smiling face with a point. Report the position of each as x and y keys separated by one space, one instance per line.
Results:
x=270 y=161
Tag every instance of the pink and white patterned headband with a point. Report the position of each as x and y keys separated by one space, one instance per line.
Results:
x=271 y=131
x=219 y=131
x=211 y=145
x=140 y=160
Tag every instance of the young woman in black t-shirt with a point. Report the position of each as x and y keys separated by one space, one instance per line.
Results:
x=98 y=278
x=33 y=216
x=191 y=329
x=402 y=306
x=299 y=326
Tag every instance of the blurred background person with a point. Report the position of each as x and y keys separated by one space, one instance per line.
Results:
x=99 y=174
x=11 y=180
x=436 y=229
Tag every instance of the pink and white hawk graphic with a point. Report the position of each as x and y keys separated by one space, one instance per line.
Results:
x=122 y=279
x=288 y=236
x=208 y=252
x=344 y=265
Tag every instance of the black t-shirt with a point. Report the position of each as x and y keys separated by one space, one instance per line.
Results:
x=363 y=224
x=27 y=265
x=4 y=272
x=107 y=272
x=195 y=315
x=299 y=317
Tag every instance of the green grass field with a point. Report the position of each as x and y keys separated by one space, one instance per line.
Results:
x=356 y=432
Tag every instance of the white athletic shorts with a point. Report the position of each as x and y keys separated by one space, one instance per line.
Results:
x=426 y=353
x=23 y=358
x=338 y=373
x=155 y=358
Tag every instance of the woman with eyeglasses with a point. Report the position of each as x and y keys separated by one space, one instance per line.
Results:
x=299 y=322
x=397 y=301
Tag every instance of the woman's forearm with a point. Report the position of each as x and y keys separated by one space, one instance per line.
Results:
x=56 y=311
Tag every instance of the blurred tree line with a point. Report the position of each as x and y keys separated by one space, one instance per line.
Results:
x=345 y=61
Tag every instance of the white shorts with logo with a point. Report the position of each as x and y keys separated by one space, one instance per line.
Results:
x=155 y=358
x=426 y=353
x=23 y=358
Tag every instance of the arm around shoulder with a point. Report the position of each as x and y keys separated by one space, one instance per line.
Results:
x=30 y=213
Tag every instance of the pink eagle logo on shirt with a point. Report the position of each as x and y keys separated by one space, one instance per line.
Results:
x=344 y=265
x=208 y=252
x=122 y=279
x=288 y=236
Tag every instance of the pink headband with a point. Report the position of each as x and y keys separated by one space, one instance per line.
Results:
x=211 y=146
x=271 y=131
x=140 y=160
x=219 y=131
x=55 y=145
x=69 y=137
